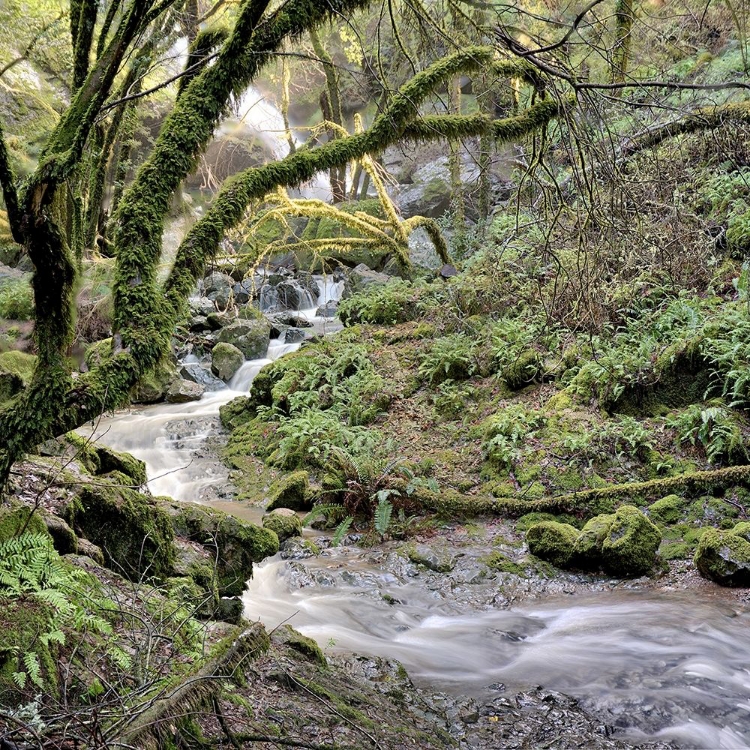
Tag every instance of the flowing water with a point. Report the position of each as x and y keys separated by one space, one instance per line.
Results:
x=655 y=664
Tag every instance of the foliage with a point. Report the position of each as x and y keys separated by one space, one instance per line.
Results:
x=398 y=301
x=16 y=300
x=449 y=358
x=713 y=427
x=507 y=433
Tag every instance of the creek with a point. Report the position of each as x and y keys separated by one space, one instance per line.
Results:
x=655 y=664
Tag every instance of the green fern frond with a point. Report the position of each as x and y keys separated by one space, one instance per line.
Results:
x=341 y=531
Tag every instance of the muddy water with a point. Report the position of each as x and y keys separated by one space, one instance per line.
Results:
x=654 y=664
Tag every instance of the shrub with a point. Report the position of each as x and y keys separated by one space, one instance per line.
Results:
x=398 y=301
x=16 y=300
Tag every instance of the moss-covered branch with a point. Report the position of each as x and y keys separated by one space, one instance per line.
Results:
x=588 y=502
x=82 y=38
x=8 y=185
x=624 y=16
x=707 y=118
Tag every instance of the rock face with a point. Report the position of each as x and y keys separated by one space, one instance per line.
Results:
x=226 y=359
x=199 y=374
x=552 y=541
x=284 y=522
x=724 y=556
x=218 y=288
x=251 y=337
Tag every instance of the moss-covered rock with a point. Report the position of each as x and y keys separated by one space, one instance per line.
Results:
x=226 y=359
x=284 y=523
x=630 y=547
x=251 y=337
x=724 y=556
x=291 y=491
x=524 y=370
x=552 y=541
x=237 y=412
x=301 y=643
x=17 y=519
x=235 y=543
x=132 y=530
x=667 y=510
x=439 y=559
x=588 y=547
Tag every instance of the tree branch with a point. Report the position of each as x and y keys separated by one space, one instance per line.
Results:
x=8 y=184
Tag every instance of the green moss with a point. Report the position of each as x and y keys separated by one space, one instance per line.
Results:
x=588 y=547
x=631 y=544
x=667 y=510
x=238 y=544
x=16 y=519
x=724 y=557
x=291 y=491
x=304 y=645
x=675 y=551
x=237 y=412
x=552 y=541
x=524 y=370
x=499 y=562
x=19 y=363
x=283 y=525
x=133 y=531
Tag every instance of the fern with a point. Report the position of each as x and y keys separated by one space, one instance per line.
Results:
x=383 y=513
x=341 y=531
x=33 y=668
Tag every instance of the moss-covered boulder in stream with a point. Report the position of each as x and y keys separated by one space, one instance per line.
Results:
x=630 y=547
x=285 y=523
x=236 y=544
x=724 y=556
x=291 y=491
x=226 y=359
x=133 y=530
x=552 y=541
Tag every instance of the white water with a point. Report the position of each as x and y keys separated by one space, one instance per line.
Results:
x=658 y=665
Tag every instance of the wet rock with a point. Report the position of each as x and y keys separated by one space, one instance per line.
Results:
x=287 y=320
x=229 y=609
x=361 y=277
x=630 y=547
x=198 y=324
x=201 y=375
x=63 y=537
x=295 y=335
x=244 y=291
x=291 y=491
x=552 y=541
x=296 y=548
x=202 y=306
x=284 y=522
x=218 y=288
x=219 y=319
x=180 y=391
x=293 y=296
x=439 y=560
x=226 y=359
x=724 y=556
x=251 y=337
x=328 y=310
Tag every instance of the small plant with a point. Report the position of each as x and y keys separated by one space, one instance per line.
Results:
x=398 y=301
x=450 y=358
x=16 y=300
x=507 y=432
x=714 y=428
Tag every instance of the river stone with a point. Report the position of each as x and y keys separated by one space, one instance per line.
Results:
x=284 y=522
x=630 y=547
x=292 y=296
x=202 y=306
x=328 y=310
x=201 y=375
x=297 y=548
x=439 y=560
x=251 y=337
x=226 y=359
x=552 y=541
x=218 y=320
x=724 y=556
x=361 y=277
x=295 y=335
x=587 y=552
x=218 y=288
x=180 y=391
x=198 y=324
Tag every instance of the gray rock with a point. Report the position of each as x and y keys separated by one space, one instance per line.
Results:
x=295 y=335
x=218 y=288
x=198 y=324
x=181 y=391
x=251 y=337
x=201 y=375
x=226 y=359
x=361 y=277
x=297 y=548
x=202 y=306
x=439 y=560
x=218 y=320
x=89 y=549
x=328 y=310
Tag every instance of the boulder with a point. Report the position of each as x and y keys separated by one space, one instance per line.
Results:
x=293 y=296
x=218 y=287
x=667 y=510
x=284 y=522
x=226 y=359
x=181 y=391
x=724 y=556
x=219 y=319
x=295 y=335
x=234 y=544
x=630 y=547
x=328 y=310
x=291 y=491
x=202 y=306
x=133 y=531
x=251 y=337
x=16 y=369
x=201 y=375
x=587 y=552
x=361 y=277
x=552 y=541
